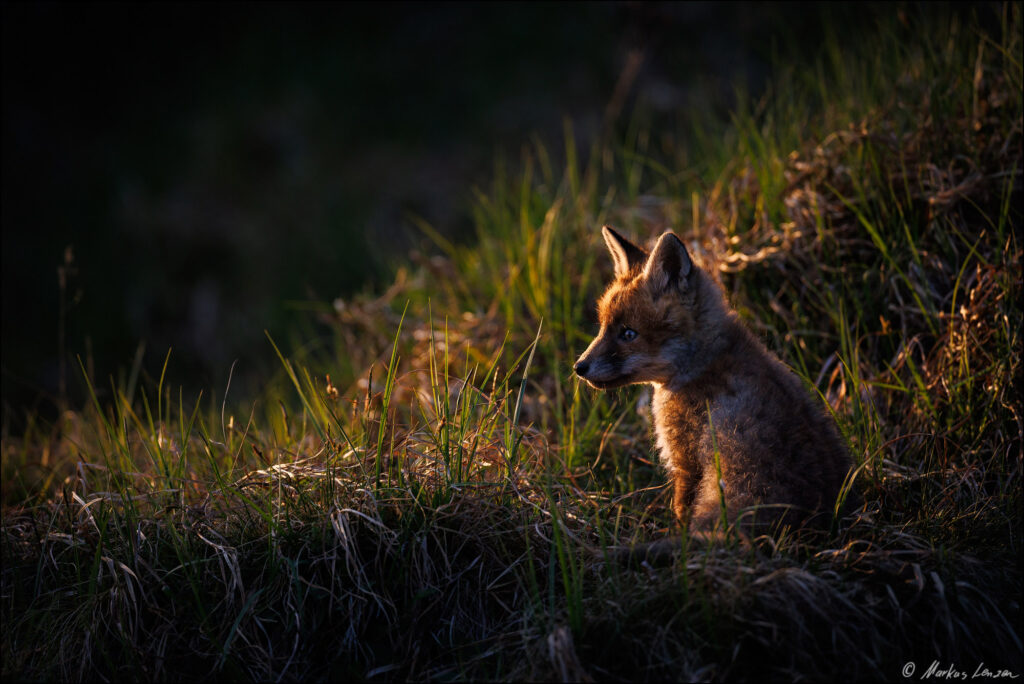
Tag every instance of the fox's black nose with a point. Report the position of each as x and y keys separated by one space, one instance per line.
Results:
x=581 y=368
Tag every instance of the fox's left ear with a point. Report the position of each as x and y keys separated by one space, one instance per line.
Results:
x=669 y=264
x=625 y=254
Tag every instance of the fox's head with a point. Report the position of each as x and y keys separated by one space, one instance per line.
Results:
x=657 y=317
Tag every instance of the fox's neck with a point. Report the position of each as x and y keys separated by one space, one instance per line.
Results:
x=698 y=358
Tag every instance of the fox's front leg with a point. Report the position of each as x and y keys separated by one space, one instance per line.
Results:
x=684 y=480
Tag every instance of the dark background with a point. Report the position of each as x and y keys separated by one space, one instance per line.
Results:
x=211 y=167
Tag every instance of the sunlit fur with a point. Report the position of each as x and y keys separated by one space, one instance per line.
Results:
x=715 y=387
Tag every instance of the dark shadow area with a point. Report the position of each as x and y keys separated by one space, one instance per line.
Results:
x=199 y=169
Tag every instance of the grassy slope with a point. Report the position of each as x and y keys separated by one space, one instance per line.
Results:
x=426 y=517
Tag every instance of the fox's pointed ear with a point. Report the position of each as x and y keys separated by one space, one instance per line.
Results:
x=625 y=254
x=668 y=265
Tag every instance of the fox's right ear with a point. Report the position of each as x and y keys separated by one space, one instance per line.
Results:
x=669 y=265
x=625 y=254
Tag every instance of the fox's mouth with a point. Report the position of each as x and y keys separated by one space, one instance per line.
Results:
x=602 y=375
x=606 y=384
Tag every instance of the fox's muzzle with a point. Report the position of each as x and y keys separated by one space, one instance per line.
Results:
x=593 y=367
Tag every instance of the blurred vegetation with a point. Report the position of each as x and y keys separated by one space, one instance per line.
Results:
x=213 y=169
x=417 y=492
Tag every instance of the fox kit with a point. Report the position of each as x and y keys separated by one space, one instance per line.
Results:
x=717 y=390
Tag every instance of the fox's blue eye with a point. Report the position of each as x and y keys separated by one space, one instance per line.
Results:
x=627 y=335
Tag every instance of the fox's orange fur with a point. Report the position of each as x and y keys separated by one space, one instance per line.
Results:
x=664 y=321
